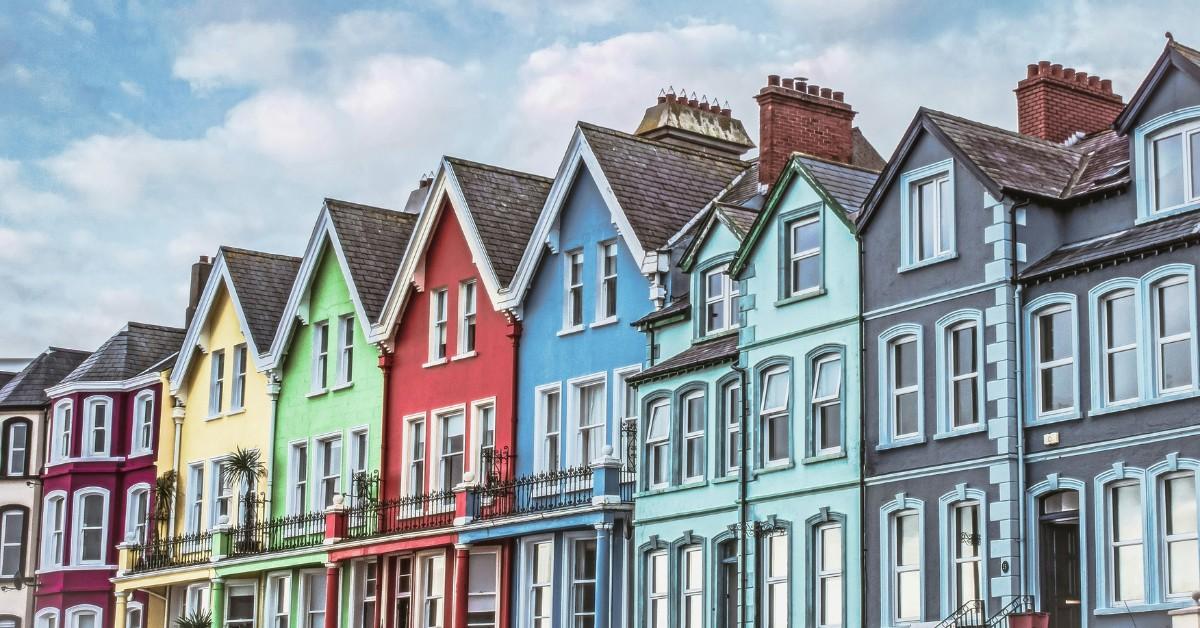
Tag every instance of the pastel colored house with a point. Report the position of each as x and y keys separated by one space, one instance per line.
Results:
x=98 y=478
x=23 y=421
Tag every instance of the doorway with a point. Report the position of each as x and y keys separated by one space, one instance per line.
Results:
x=1061 y=586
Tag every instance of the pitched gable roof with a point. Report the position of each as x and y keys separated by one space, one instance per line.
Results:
x=6 y=377
x=262 y=282
x=373 y=240
x=128 y=353
x=28 y=388
x=848 y=185
x=1128 y=243
x=1174 y=56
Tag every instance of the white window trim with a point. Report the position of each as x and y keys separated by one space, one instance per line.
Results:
x=229 y=586
x=727 y=413
x=420 y=595
x=768 y=580
x=344 y=367
x=765 y=414
x=319 y=381
x=42 y=617
x=908 y=253
x=1162 y=550
x=685 y=593
x=433 y=444
x=730 y=293
x=64 y=417
x=820 y=575
x=216 y=383
x=140 y=419
x=525 y=578
x=651 y=594
x=278 y=582
x=74 y=612
x=575 y=456
x=237 y=389
x=816 y=404
x=77 y=526
x=355 y=450
x=601 y=287
x=887 y=515
x=948 y=506
x=467 y=319
x=48 y=549
x=439 y=325
x=627 y=415
x=305 y=594
x=568 y=572
x=687 y=437
x=132 y=607
x=89 y=406
x=1190 y=196
x=407 y=457
x=540 y=432
x=660 y=447
x=887 y=340
x=794 y=256
x=130 y=514
x=201 y=592
x=474 y=461
x=194 y=493
x=1039 y=366
x=1106 y=351
x=568 y=325
x=214 y=490
x=316 y=458
x=1159 y=341
x=294 y=505
x=495 y=552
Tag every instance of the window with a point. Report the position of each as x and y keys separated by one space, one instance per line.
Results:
x=195 y=499
x=657 y=577
x=775 y=580
x=216 y=383
x=804 y=256
x=692 y=594
x=312 y=599
x=466 y=317
x=438 y=306
x=359 y=450
x=1180 y=550
x=86 y=617
x=196 y=598
x=12 y=542
x=133 y=616
x=279 y=602
x=692 y=421
x=137 y=513
x=627 y=400
x=583 y=583
x=1127 y=573
x=63 y=422
x=904 y=387
x=720 y=301
x=606 y=305
x=433 y=591
x=368 y=591
x=589 y=414
x=54 y=529
x=329 y=465
x=239 y=606
x=541 y=584
x=404 y=591
x=658 y=432
x=483 y=602
x=962 y=368
x=728 y=583
x=929 y=210
x=905 y=557
x=345 y=355
x=1175 y=167
x=968 y=562
x=416 y=457
x=222 y=491
x=485 y=430
x=773 y=413
x=320 y=356
x=47 y=618
x=90 y=521
x=573 y=299
x=829 y=575
x=1055 y=353
x=16 y=447
x=1172 y=311
x=453 y=440
x=237 y=397
x=1119 y=337
x=549 y=421
x=99 y=426
x=731 y=420
x=826 y=412
x=143 y=423
x=298 y=471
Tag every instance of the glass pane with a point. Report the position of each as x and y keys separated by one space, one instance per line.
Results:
x=659 y=424
x=779 y=605
x=1122 y=375
x=926 y=216
x=1128 y=571
x=1181 y=504
x=965 y=402
x=831 y=601
x=716 y=315
x=967 y=522
x=1168 y=171
x=695 y=413
x=968 y=581
x=806 y=236
x=693 y=570
x=778 y=556
x=1127 y=513
x=585 y=560
x=1184 y=566
x=777 y=449
x=1194 y=142
x=483 y=573
x=946 y=219
x=908 y=544
x=542 y=557
x=806 y=273
x=1119 y=315
x=908 y=595
x=963 y=358
x=775 y=387
x=831 y=549
x=658 y=568
x=905 y=363
x=1176 y=364
x=906 y=414
x=1174 y=315
x=829 y=376
x=693 y=612
x=831 y=426
x=695 y=458
x=1058 y=388
x=658 y=613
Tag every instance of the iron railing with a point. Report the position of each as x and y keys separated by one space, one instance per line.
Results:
x=278 y=534
x=410 y=513
x=971 y=614
x=629 y=468
x=1019 y=604
x=185 y=550
x=540 y=492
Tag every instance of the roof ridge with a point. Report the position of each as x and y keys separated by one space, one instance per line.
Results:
x=1175 y=44
x=1009 y=132
x=154 y=326
x=234 y=249
x=65 y=350
x=353 y=205
x=655 y=143
x=477 y=164
x=831 y=162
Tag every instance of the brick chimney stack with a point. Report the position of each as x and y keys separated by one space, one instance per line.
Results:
x=799 y=116
x=196 y=282
x=1054 y=103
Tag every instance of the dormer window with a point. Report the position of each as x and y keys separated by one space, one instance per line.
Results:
x=1175 y=167
x=720 y=301
x=927 y=215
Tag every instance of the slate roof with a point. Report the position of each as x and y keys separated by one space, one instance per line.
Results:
x=6 y=377
x=681 y=306
x=863 y=153
x=699 y=355
x=504 y=204
x=28 y=388
x=373 y=240
x=128 y=353
x=739 y=219
x=659 y=186
x=848 y=185
x=263 y=282
x=745 y=190
x=1142 y=238
x=1106 y=163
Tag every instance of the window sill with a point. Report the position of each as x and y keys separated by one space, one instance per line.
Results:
x=214 y=417
x=1051 y=419
x=463 y=356
x=604 y=322
x=1142 y=403
x=342 y=387
x=725 y=479
x=961 y=431
x=235 y=412
x=772 y=467
x=833 y=455
x=138 y=454
x=897 y=444
x=717 y=335
x=1143 y=608
x=433 y=363
x=803 y=296
x=570 y=330
x=944 y=257
x=1167 y=213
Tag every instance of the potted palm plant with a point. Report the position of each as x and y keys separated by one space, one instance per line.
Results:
x=194 y=619
x=243 y=468
x=164 y=496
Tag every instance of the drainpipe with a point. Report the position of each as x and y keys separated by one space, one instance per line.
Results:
x=743 y=504
x=1018 y=368
x=385 y=365
x=862 y=429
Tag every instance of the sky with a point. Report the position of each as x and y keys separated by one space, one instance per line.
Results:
x=136 y=136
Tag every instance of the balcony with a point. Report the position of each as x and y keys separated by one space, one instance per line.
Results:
x=185 y=550
x=262 y=535
x=499 y=496
x=410 y=513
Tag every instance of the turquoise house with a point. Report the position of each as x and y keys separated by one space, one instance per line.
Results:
x=747 y=511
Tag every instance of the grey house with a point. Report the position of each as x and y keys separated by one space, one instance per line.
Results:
x=1030 y=364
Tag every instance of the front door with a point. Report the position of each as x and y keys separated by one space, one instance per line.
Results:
x=1061 y=591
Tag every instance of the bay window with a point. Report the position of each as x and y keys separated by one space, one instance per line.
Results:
x=63 y=424
x=99 y=426
x=237 y=396
x=298 y=476
x=54 y=526
x=549 y=422
x=312 y=599
x=239 y=605
x=137 y=513
x=143 y=423
x=90 y=522
x=345 y=355
x=329 y=465
x=589 y=417
x=279 y=600
x=483 y=600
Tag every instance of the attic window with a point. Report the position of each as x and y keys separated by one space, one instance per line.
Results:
x=1175 y=167
x=927 y=215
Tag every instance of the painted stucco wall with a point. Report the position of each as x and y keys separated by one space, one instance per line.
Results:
x=14 y=491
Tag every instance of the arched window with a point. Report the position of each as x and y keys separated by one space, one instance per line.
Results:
x=1119 y=345
x=97 y=431
x=903 y=561
x=1053 y=387
x=960 y=379
x=1124 y=531
x=1180 y=547
x=826 y=407
x=47 y=618
x=142 y=439
x=137 y=513
x=693 y=424
x=774 y=412
x=691 y=586
x=901 y=389
x=84 y=616
x=1172 y=301
x=10 y=621
x=54 y=525
x=64 y=418
x=17 y=433
x=89 y=523
x=658 y=434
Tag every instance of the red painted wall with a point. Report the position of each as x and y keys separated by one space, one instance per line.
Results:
x=413 y=388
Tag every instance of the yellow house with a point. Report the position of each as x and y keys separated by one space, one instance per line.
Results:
x=221 y=401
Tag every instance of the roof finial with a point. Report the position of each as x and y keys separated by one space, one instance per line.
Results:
x=1170 y=37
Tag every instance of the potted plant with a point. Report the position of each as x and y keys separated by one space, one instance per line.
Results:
x=243 y=468
x=194 y=619
x=155 y=550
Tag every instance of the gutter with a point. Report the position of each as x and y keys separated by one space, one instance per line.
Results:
x=1018 y=368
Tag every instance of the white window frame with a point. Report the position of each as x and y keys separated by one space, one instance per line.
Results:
x=334 y=440
x=75 y=612
x=299 y=478
x=896 y=569
x=216 y=488
x=767 y=414
x=468 y=314
x=655 y=598
x=1113 y=544
x=306 y=596
x=911 y=215
x=439 y=333
x=1039 y=317
x=425 y=594
x=411 y=462
x=796 y=257
x=196 y=597
x=320 y=356
x=1107 y=352
x=216 y=383
x=89 y=408
x=476 y=434
x=358 y=590
x=77 y=526
x=1156 y=329
x=64 y=418
x=54 y=531
x=894 y=392
x=1168 y=539
x=817 y=403
x=954 y=378
x=606 y=282
x=692 y=438
x=279 y=585
x=731 y=426
x=135 y=529
x=47 y=618
x=575 y=453
x=572 y=286
x=658 y=448
x=1191 y=194
x=345 y=353
x=727 y=301
x=194 y=491
x=230 y=586
x=237 y=393
x=546 y=439
x=771 y=582
x=570 y=549
x=135 y=610
x=23 y=515
x=359 y=459
x=688 y=590
x=957 y=563
x=435 y=429
x=472 y=593
x=822 y=575
x=625 y=407
x=143 y=424
x=8 y=430
x=527 y=583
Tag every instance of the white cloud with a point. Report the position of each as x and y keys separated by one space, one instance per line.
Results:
x=62 y=10
x=237 y=54
x=131 y=88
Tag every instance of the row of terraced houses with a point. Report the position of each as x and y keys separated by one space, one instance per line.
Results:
x=668 y=387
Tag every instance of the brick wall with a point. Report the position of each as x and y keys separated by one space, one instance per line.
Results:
x=797 y=117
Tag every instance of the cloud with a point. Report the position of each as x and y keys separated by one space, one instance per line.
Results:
x=62 y=9
x=234 y=54
x=132 y=89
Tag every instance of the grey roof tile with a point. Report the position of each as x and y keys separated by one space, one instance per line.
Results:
x=28 y=388
x=373 y=240
x=6 y=377
x=1129 y=242
x=504 y=205
x=128 y=353
x=697 y=356
x=263 y=282
x=848 y=185
x=681 y=306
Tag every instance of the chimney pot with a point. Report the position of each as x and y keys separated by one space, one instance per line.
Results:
x=772 y=80
x=692 y=102
x=789 y=83
x=839 y=96
x=1106 y=86
x=1056 y=103
x=1031 y=70
x=662 y=98
x=1043 y=67
x=802 y=86
x=1081 y=78
x=726 y=112
x=670 y=96
x=814 y=90
x=1056 y=70
x=714 y=107
x=1069 y=74
x=826 y=92
x=1094 y=82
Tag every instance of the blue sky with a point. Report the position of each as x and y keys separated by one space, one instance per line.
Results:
x=136 y=136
